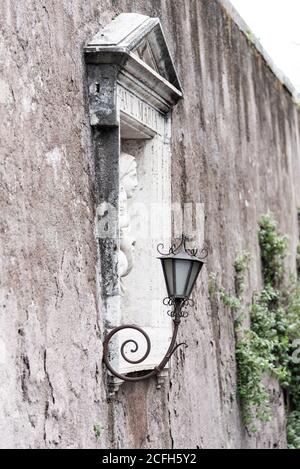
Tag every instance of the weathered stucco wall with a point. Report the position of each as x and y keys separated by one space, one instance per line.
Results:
x=236 y=149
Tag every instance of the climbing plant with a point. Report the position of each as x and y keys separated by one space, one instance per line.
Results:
x=267 y=346
x=273 y=249
x=241 y=265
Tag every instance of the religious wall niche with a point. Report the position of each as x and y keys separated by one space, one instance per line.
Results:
x=132 y=88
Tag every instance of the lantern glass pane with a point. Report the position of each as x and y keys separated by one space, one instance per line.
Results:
x=168 y=271
x=194 y=274
x=182 y=268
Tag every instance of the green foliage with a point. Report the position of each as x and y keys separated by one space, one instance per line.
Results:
x=269 y=322
x=229 y=301
x=268 y=346
x=257 y=354
x=293 y=430
x=293 y=315
x=251 y=368
x=97 y=431
x=250 y=36
x=241 y=265
x=273 y=250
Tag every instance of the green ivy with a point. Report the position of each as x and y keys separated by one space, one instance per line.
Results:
x=251 y=391
x=267 y=347
x=293 y=430
x=241 y=264
x=229 y=300
x=273 y=250
x=97 y=431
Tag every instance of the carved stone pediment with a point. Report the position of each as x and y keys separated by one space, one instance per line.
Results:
x=137 y=44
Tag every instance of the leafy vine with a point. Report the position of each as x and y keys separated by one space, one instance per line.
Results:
x=268 y=346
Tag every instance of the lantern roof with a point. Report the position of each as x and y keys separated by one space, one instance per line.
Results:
x=181 y=255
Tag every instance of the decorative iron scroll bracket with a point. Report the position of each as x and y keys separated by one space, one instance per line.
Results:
x=177 y=313
x=177 y=300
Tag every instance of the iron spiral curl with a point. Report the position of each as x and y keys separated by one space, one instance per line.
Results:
x=177 y=315
x=130 y=341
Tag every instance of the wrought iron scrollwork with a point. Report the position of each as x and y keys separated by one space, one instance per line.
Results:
x=182 y=246
x=178 y=310
x=133 y=342
x=177 y=314
x=173 y=303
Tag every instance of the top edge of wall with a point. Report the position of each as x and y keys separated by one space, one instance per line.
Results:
x=242 y=25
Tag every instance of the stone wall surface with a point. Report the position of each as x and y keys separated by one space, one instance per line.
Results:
x=236 y=146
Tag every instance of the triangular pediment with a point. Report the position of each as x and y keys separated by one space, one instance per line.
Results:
x=145 y=53
x=141 y=37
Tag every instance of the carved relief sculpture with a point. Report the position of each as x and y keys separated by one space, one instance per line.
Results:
x=128 y=184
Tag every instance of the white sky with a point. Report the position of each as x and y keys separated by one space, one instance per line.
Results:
x=276 y=23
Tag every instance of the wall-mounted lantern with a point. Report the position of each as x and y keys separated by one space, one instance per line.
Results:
x=181 y=268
